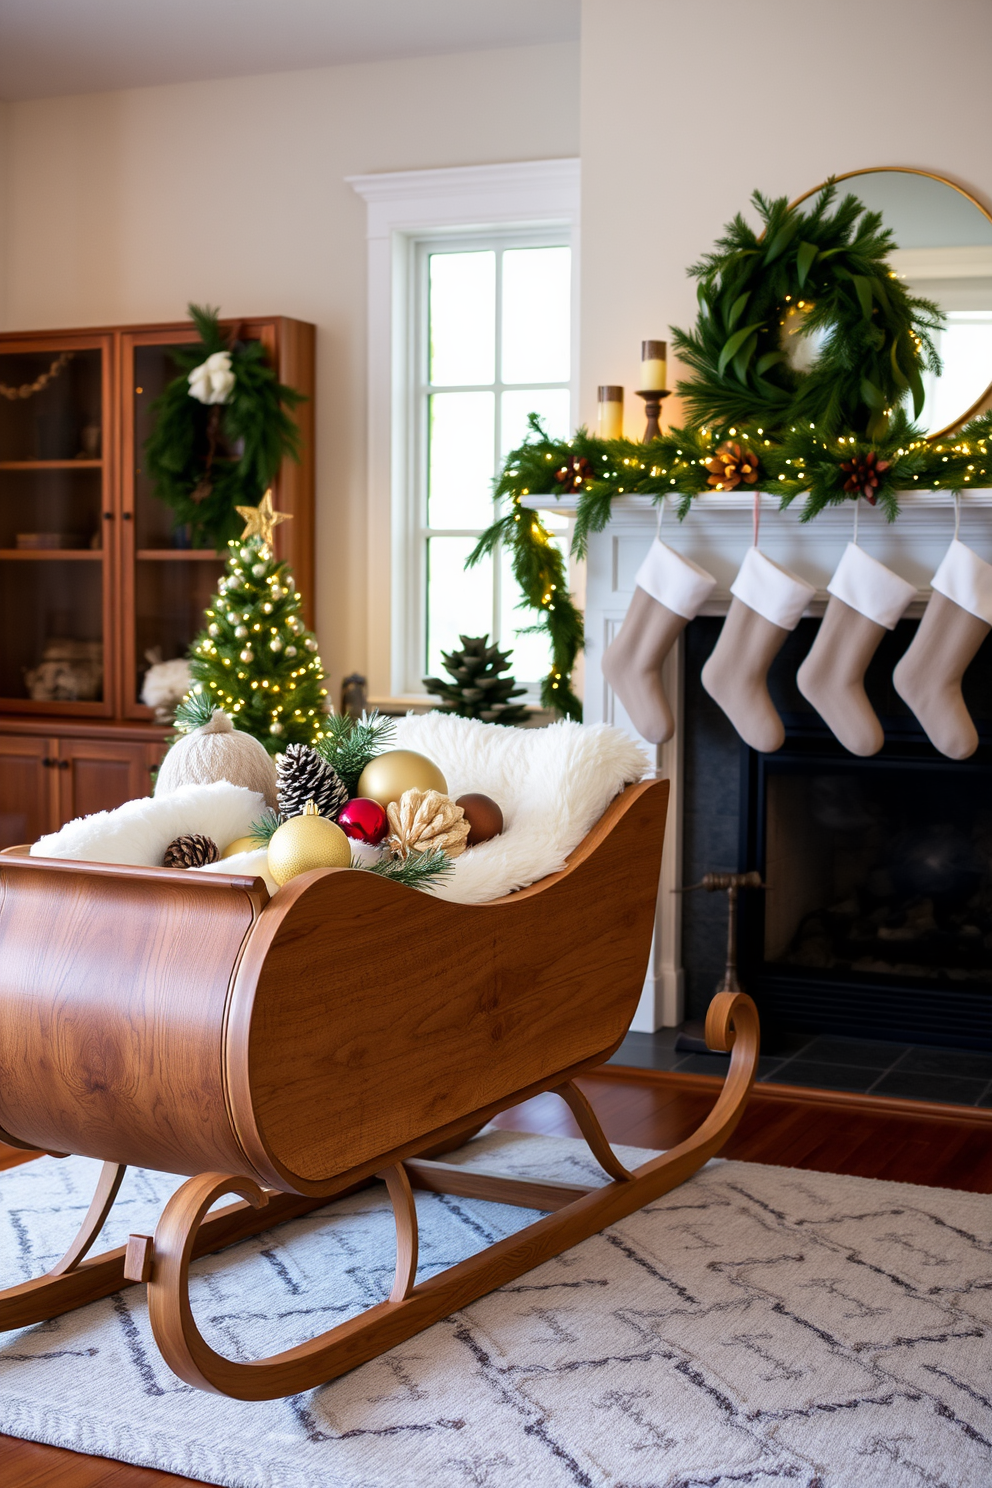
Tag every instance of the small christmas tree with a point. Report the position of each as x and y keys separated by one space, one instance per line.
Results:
x=477 y=690
x=256 y=659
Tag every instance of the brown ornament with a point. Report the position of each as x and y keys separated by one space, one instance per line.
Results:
x=423 y=820
x=485 y=819
x=731 y=464
x=863 y=472
x=191 y=851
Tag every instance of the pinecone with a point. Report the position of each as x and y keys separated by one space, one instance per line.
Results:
x=573 y=475
x=476 y=689
x=191 y=851
x=863 y=472
x=730 y=465
x=303 y=776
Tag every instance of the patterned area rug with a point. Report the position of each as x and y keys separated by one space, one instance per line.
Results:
x=758 y=1326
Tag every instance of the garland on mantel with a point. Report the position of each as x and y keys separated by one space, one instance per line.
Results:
x=831 y=433
x=585 y=475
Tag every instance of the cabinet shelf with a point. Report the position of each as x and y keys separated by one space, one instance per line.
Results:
x=167 y=555
x=51 y=464
x=50 y=555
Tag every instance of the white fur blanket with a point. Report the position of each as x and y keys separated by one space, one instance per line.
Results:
x=552 y=785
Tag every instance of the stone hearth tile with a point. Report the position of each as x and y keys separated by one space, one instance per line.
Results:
x=910 y=1086
x=867 y=1053
x=962 y=1063
x=829 y=1076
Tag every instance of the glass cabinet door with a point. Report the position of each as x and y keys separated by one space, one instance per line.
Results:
x=56 y=526
x=167 y=584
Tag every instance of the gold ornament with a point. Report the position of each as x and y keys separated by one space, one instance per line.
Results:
x=422 y=820
x=261 y=521
x=305 y=842
x=385 y=778
x=240 y=845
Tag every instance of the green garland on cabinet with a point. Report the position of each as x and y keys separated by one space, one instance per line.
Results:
x=219 y=447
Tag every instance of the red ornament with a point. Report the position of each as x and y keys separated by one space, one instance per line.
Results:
x=484 y=817
x=363 y=821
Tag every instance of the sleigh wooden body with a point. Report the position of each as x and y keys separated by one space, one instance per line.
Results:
x=292 y=1049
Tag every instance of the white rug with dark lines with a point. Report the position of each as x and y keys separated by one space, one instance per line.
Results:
x=758 y=1326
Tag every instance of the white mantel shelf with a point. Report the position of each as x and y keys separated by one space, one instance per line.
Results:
x=716 y=534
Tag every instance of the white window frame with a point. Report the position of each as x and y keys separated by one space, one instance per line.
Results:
x=404 y=208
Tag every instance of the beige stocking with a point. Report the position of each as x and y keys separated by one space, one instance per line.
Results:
x=632 y=664
x=928 y=678
x=736 y=675
x=670 y=590
x=832 y=677
x=768 y=602
x=866 y=600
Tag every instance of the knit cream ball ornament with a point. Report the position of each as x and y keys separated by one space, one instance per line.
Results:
x=218 y=751
x=422 y=820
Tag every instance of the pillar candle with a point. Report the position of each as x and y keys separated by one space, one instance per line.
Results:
x=653 y=366
x=610 y=420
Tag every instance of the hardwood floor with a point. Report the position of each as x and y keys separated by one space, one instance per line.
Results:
x=870 y=1137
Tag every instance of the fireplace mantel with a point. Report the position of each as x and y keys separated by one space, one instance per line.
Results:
x=716 y=534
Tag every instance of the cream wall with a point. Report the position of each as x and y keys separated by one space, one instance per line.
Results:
x=687 y=108
x=125 y=206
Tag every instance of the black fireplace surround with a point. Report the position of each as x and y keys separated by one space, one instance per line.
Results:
x=877 y=922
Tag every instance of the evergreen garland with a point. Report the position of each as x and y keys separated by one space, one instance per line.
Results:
x=417 y=871
x=477 y=689
x=204 y=460
x=830 y=269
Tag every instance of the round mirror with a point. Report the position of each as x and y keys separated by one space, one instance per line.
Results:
x=944 y=253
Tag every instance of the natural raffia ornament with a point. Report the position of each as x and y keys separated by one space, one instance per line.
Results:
x=421 y=821
x=730 y=465
x=191 y=851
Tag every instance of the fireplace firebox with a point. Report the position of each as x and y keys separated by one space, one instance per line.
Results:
x=877 y=922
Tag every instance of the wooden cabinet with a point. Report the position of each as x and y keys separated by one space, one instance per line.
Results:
x=48 y=779
x=94 y=581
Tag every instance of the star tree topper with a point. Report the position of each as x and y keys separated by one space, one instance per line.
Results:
x=261 y=520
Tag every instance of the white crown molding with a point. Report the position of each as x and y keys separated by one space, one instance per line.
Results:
x=469 y=195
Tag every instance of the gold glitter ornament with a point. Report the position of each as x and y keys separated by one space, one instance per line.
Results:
x=305 y=842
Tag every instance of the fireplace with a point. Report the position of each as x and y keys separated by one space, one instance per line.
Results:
x=878 y=917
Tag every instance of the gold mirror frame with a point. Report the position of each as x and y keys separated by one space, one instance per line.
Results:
x=909 y=170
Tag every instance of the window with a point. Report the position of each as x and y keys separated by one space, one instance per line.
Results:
x=493 y=344
x=471 y=314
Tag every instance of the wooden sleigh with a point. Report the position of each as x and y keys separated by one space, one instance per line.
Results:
x=296 y=1049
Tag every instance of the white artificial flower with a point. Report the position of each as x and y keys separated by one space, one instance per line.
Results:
x=213 y=380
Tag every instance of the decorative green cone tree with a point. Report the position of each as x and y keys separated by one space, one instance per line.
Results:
x=477 y=689
x=256 y=659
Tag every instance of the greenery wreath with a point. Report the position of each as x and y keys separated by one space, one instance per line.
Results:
x=221 y=430
x=818 y=274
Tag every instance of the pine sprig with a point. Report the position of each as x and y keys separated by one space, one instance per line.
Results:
x=195 y=711
x=416 y=871
x=350 y=743
x=263 y=830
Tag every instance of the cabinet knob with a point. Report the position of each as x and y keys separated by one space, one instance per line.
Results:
x=108 y=516
x=62 y=764
x=127 y=516
x=48 y=762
